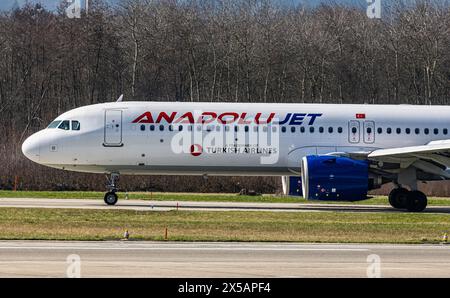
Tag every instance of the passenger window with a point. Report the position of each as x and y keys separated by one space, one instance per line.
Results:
x=311 y=129
x=54 y=124
x=436 y=131
x=354 y=130
x=380 y=130
x=142 y=127
x=369 y=130
x=255 y=128
x=330 y=129
x=399 y=131
x=302 y=129
x=321 y=129
x=340 y=129
x=293 y=129
x=408 y=131
x=283 y=129
x=427 y=131
x=417 y=131
x=152 y=127
x=274 y=129
x=264 y=128
x=161 y=127
x=445 y=131
x=64 y=125
x=180 y=128
x=170 y=128
x=236 y=128
x=246 y=128
x=389 y=130
x=75 y=125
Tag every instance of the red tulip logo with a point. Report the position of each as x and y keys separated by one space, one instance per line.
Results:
x=196 y=150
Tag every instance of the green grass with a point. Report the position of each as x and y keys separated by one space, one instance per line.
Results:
x=159 y=196
x=323 y=227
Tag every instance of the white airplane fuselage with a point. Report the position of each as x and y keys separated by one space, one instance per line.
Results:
x=138 y=137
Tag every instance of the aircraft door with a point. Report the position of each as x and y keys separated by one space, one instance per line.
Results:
x=354 y=132
x=369 y=132
x=113 y=128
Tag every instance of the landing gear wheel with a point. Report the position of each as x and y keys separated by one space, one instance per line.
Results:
x=111 y=198
x=398 y=198
x=417 y=201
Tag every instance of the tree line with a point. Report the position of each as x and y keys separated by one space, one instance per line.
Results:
x=214 y=51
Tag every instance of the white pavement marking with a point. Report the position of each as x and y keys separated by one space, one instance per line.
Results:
x=134 y=245
x=184 y=248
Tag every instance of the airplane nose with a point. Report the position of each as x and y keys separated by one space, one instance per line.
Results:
x=31 y=148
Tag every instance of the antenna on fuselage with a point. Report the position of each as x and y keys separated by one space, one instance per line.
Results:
x=120 y=98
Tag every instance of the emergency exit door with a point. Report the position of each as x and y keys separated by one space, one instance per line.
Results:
x=354 y=132
x=369 y=132
x=361 y=129
x=113 y=128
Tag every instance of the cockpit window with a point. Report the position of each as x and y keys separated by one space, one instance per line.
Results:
x=64 y=125
x=75 y=125
x=54 y=124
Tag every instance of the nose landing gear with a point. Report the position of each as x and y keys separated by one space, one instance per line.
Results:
x=111 y=197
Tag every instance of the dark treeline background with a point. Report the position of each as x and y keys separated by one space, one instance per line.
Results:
x=239 y=51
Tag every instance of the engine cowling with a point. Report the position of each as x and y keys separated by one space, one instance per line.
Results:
x=331 y=178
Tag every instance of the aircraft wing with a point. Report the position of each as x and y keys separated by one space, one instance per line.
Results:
x=433 y=158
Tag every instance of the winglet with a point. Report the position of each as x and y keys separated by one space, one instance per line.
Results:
x=120 y=98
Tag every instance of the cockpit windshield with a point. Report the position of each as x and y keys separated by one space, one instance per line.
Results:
x=65 y=125
x=54 y=124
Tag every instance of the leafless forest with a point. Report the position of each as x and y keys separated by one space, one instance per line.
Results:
x=198 y=50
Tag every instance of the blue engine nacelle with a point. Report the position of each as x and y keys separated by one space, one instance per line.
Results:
x=331 y=178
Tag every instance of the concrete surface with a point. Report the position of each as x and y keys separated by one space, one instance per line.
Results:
x=167 y=259
x=142 y=205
